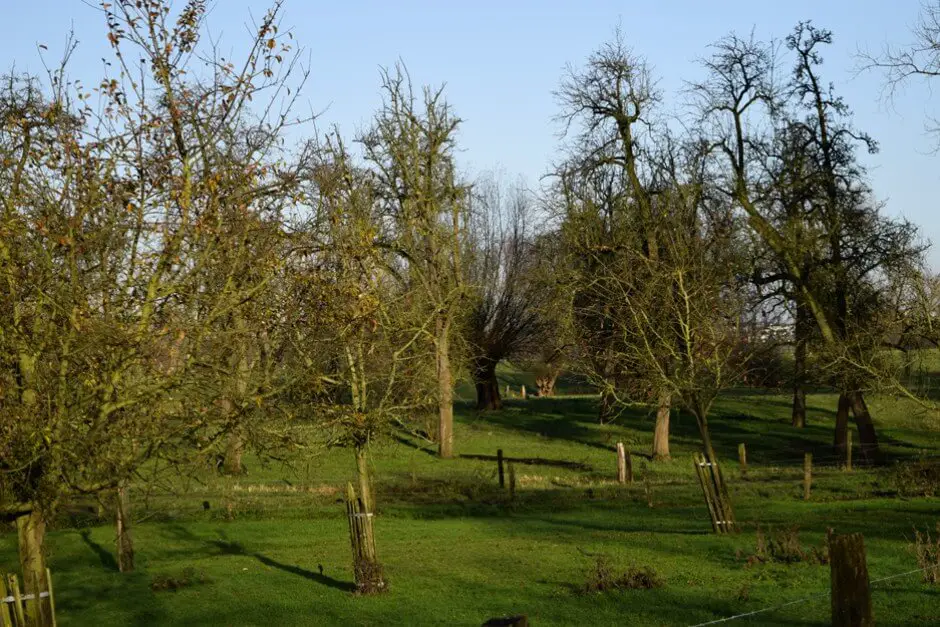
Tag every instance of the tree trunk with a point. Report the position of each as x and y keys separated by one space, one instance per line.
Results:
x=868 y=448
x=546 y=384
x=445 y=392
x=31 y=534
x=842 y=425
x=661 y=432
x=801 y=330
x=364 y=479
x=487 y=386
x=606 y=410
x=232 y=465
x=125 y=545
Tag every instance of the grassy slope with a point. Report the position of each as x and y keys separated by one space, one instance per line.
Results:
x=457 y=551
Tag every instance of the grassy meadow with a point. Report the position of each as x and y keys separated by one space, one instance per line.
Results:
x=272 y=547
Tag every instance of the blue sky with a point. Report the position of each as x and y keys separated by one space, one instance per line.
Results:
x=501 y=61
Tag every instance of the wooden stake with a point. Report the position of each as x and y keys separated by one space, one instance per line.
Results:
x=851 y=593
x=6 y=618
x=499 y=468
x=51 y=596
x=522 y=392
x=621 y=463
x=19 y=614
x=807 y=475
x=742 y=459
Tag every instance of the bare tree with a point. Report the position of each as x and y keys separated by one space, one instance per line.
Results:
x=411 y=149
x=506 y=319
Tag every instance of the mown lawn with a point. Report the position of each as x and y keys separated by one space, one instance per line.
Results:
x=457 y=551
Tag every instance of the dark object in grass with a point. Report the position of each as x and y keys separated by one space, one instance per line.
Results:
x=783 y=547
x=509 y=621
x=205 y=505
x=927 y=551
x=603 y=578
x=921 y=478
x=189 y=577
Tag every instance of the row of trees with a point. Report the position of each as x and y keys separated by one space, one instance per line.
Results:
x=181 y=284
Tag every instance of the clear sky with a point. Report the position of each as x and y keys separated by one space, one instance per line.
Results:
x=501 y=61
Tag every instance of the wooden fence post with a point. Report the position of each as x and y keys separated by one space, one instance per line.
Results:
x=848 y=449
x=508 y=390
x=522 y=392
x=499 y=468
x=512 y=482
x=621 y=464
x=742 y=459
x=807 y=475
x=851 y=594
x=367 y=570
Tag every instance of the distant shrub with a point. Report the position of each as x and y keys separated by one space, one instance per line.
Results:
x=783 y=547
x=927 y=551
x=602 y=577
x=920 y=478
x=188 y=577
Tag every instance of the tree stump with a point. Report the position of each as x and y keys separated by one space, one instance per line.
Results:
x=851 y=593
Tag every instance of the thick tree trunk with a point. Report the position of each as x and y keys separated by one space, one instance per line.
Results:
x=801 y=330
x=125 y=545
x=445 y=392
x=232 y=465
x=546 y=384
x=870 y=453
x=661 y=432
x=31 y=535
x=842 y=425
x=484 y=375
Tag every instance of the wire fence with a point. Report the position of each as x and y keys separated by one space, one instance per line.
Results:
x=813 y=597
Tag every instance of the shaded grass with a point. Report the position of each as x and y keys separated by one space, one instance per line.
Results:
x=274 y=548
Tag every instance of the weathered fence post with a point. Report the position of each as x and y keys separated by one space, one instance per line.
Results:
x=522 y=392
x=367 y=570
x=621 y=463
x=499 y=468
x=742 y=459
x=508 y=390
x=512 y=482
x=125 y=545
x=851 y=594
x=848 y=450
x=716 y=494
x=807 y=475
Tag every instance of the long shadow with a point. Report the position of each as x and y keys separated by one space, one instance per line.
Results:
x=236 y=548
x=107 y=559
x=533 y=461
x=423 y=449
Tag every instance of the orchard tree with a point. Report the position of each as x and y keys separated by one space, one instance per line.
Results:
x=410 y=148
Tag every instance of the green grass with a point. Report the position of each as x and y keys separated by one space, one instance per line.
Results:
x=457 y=551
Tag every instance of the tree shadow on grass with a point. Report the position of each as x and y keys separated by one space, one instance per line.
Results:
x=227 y=547
x=107 y=559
